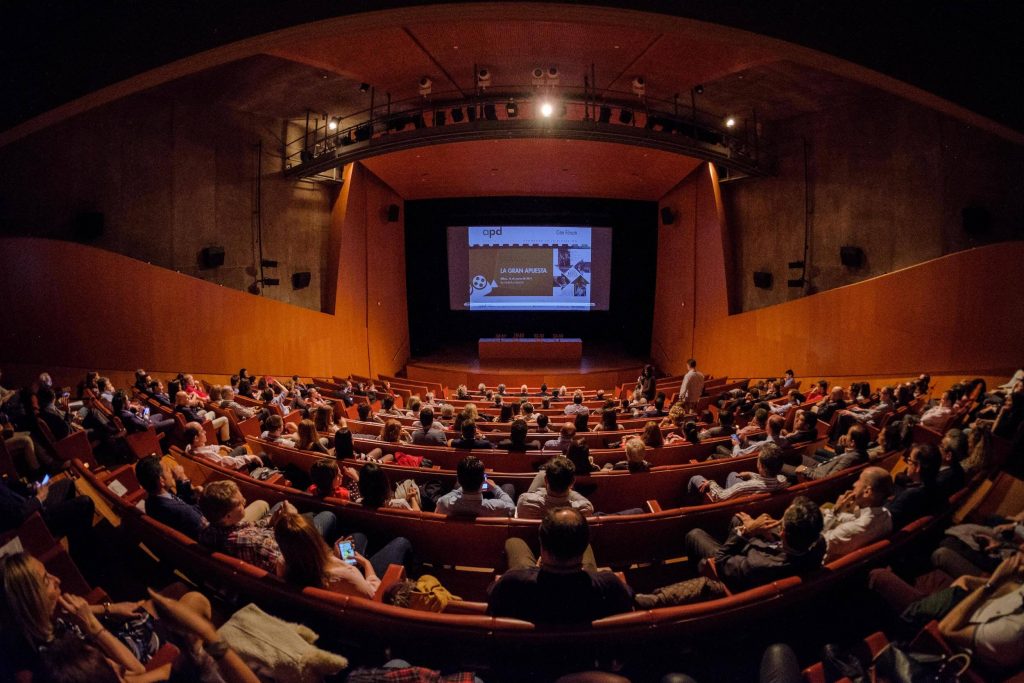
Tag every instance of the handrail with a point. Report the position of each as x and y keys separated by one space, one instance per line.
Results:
x=517 y=112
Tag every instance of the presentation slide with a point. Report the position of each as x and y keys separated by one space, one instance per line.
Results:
x=529 y=268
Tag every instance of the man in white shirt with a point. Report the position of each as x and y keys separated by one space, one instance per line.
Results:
x=692 y=387
x=577 y=407
x=858 y=518
x=552 y=488
x=935 y=418
x=237 y=459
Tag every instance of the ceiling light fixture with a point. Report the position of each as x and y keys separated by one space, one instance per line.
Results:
x=426 y=85
x=730 y=122
x=333 y=123
x=546 y=109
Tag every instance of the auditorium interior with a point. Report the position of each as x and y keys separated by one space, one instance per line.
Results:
x=833 y=192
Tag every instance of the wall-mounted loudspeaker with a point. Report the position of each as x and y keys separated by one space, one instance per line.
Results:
x=977 y=220
x=668 y=216
x=88 y=226
x=762 y=280
x=301 y=280
x=211 y=257
x=851 y=257
x=392 y=213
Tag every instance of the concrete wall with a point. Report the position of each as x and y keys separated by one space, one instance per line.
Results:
x=883 y=174
x=944 y=316
x=171 y=178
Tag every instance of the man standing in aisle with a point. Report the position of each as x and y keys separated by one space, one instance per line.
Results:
x=692 y=387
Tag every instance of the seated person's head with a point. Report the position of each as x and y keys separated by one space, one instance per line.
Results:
x=119 y=402
x=222 y=503
x=151 y=475
x=542 y=421
x=518 y=431
x=447 y=411
x=761 y=417
x=806 y=420
x=581 y=422
x=470 y=474
x=567 y=431
x=769 y=461
x=634 y=448
x=691 y=432
x=392 y=431
x=725 y=418
x=374 y=486
x=73 y=660
x=775 y=424
x=873 y=487
x=579 y=454
x=469 y=429
x=559 y=474
x=527 y=409
x=923 y=463
x=564 y=536
x=953 y=446
x=303 y=548
x=426 y=418
x=181 y=398
x=195 y=435
x=801 y=525
x=275 y=423
x=388 y=403
x=325 y=475
x=577 y=398
x=652 y=436
x=859 y=437
x=363 y=410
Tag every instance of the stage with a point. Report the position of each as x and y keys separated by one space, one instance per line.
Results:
x=601 y=366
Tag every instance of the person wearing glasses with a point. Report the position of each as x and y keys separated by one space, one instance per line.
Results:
x=916 y=492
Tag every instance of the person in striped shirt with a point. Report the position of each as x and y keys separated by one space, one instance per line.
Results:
x=767 y=478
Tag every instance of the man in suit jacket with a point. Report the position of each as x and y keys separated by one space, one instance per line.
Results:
x=177 y=510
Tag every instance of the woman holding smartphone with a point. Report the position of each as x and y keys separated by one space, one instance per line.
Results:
x=308 y=561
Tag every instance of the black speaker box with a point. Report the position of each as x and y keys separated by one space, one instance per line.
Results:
x=88 y=226
x=393 y=212
x=977 y=220
x=212 y=257
x=668 y=216
x=301 y=280
x=762 y=280
x=851 y=257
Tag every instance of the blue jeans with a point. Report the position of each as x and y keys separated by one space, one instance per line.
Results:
x=397 y=551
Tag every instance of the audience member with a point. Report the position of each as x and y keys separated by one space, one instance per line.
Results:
x=552 y=488
x=563 y=586
x=766 y=479
x=476 y=494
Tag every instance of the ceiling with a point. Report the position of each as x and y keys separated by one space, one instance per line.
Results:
x=545 y=167
x=962 y=50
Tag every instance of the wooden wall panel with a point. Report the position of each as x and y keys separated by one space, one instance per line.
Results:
x=73 y=306
x=944 y=316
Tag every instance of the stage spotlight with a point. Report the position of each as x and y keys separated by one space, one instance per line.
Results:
x=537 y=76
x=364 y=87
x=553 y=75
x=546 y=109
x=730 y=122
x=626 y=116
x=639 y=86
x=333 y=124
x=426 y=85
x=512 y=109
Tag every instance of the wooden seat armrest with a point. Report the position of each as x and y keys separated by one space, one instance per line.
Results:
x=393 y=575
x=653 y=506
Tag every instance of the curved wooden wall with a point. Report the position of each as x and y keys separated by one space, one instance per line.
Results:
x=958 y=314
x=71 y=306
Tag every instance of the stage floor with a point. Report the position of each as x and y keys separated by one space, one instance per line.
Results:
x=601 y=366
